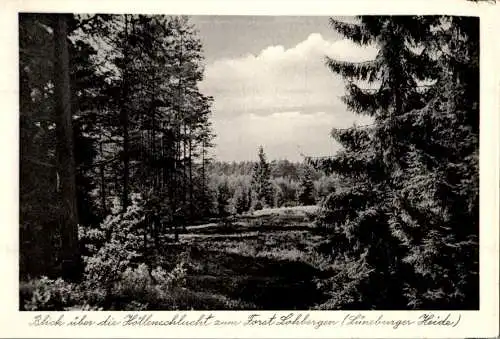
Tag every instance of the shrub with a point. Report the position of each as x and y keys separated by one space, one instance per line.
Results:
x=44 y=294
x=142 y=288
x=258 y=205
x=115 y=276
x=113 y=246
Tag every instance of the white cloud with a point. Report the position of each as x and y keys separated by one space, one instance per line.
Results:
x=280 y=79
x=284 y=99
x=284 y=135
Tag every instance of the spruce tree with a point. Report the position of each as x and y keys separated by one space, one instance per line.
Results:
x=240 y=199
x=437 y=199
x=223 y=196
x=387 y=224
x=306 y=193
x=358 y=215
x=261 y=180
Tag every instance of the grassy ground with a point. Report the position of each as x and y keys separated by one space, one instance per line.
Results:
x=273 y=259
x=270 y=260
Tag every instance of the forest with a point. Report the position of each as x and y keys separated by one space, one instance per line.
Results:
x=124 y=207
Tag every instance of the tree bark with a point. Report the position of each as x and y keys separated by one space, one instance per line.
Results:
x=103 y=184
x=124 y=122
x=70 y=256
x=191 y=204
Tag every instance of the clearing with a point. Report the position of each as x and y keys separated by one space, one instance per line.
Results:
x=269 y=260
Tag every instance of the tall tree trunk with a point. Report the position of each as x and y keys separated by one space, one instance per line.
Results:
x=103 y=184
x=153 y=151
x=179 y=204
x=184 y=164
x=191 y=205
x=124 y=122
x=70 y=255
x=203 y=185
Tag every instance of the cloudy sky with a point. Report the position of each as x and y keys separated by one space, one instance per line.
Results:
x=271 y=86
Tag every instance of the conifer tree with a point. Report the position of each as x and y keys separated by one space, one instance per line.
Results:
x=159 y=127
x=261 y=180
x=240 y=199
x=40 y=176
x=223 y=196
x=441 y=226
x=377 y=223
x=65 y=151
x=306 y=193
x=139 y=121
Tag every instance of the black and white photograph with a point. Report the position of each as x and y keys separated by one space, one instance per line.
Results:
x=248 y=162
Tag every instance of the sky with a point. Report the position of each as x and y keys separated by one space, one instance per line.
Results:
x=271 y=86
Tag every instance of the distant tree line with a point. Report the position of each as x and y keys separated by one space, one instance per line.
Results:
x=252 y=185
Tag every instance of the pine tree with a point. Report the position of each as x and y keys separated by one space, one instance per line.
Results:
x=391 y=206
x=306 y=193
x=65 y=151
x=223 y=197
x=38 y=199
x=139 y=121
x=40 y=178
x=443 y=163
x=159 y=126
x=261 y=180
x=240 y=199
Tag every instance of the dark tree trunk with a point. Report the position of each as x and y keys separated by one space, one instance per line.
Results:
x=191 y=205
x=70 y=256
x=124 y=122
x=103 y=185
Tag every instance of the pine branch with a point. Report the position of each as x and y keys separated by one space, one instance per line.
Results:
x=355 y=32
x=366 y=71
x=362 y=102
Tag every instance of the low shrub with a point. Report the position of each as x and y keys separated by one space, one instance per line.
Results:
x=44 y=294
x=143 y=288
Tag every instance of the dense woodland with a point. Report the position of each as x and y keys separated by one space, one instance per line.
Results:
x=122 y=206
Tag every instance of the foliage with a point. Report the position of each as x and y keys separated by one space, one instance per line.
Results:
x=261 y=181
x=134 y=288
x=141 y=286
x=306 y=194
x=398 y=225
x=223 y=199
x=241 y=199
x=114 y=246
x=40 y=184
x=284 y=177
x=139 y=120
x=44 y=294
x=404 y=224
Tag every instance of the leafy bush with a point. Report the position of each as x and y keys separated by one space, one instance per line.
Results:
x=258 y=205
x=44 y=294
x=115 y=266
x=142 y=287
x=114 y=245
